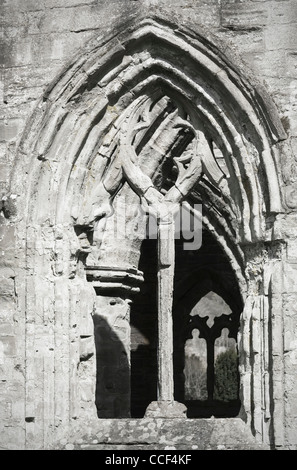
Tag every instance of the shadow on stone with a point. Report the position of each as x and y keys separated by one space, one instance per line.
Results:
x=143 y=380
x=144 y=334
x=113 y=372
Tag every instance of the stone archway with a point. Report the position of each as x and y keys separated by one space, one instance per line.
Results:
x=200 y=104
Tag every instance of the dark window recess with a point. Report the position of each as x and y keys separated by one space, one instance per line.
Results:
x=207 y=308
x=206 y=312
x=143 y=319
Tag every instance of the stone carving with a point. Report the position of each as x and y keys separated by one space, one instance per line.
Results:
x=163 y=206
x=124 y=166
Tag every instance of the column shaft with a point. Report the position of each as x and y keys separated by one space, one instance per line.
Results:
x=165 y=296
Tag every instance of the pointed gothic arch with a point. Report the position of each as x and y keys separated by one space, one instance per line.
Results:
x=94 y=91
x=157 y=76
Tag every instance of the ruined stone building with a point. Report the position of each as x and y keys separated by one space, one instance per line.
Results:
x=148 y=224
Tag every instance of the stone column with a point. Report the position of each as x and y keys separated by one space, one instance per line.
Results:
x=165 y=326
x=165 y=407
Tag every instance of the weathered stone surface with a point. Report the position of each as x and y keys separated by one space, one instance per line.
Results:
x=243 y=16
x=163 y=409
x=160 y=434
x=107 y=108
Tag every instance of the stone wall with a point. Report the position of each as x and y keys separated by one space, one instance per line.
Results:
x=40 y=38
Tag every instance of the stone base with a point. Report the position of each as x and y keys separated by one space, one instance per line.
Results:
x=152 y=434
x=166 y=409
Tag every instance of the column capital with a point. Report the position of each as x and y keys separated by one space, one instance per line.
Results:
x=108 y=279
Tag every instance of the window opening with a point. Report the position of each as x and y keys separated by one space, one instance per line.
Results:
x=205 y=332
x=216 y=362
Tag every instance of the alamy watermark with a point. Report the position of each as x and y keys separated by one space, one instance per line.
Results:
x=133 y=222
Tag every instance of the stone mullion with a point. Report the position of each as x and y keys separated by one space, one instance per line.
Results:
x=210 y=344
x=165 y=406
x=165 y=325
